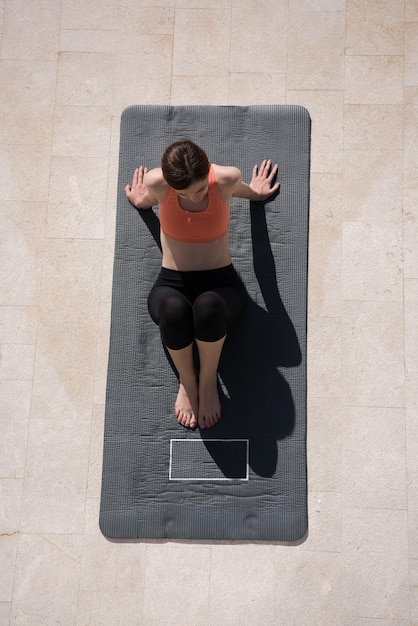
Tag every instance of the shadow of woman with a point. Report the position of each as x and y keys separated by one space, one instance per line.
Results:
x=257 y=403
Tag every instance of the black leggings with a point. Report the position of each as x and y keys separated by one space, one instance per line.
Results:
x=200 y=305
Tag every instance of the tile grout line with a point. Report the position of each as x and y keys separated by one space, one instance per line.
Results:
x=408 y=539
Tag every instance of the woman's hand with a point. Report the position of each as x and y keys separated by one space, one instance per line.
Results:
x=262 y=179
x=137 y=193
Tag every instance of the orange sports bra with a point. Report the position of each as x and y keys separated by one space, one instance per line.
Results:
x=195 y=226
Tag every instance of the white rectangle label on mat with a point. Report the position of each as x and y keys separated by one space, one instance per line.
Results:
x=209 y=459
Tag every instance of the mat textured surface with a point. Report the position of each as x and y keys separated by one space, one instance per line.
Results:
x=245 y=478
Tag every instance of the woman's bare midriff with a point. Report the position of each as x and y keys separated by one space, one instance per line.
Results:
x=187 y=257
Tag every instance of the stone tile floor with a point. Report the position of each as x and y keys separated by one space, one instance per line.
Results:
x=67 y=70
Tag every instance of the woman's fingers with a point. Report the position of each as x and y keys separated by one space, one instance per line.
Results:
x=266 y=170
x=263 y=166
x=273 y=172
x=138 y=177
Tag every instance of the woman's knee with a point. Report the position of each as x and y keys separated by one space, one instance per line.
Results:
x=210 y=316
x=173 y=313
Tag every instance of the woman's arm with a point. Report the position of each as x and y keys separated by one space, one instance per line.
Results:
x=260 y=186
x=139 y=194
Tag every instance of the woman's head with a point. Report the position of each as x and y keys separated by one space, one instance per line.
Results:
x=184 y=163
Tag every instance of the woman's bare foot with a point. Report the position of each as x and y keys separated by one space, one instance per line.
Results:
x=209 y=405
x=186 y=406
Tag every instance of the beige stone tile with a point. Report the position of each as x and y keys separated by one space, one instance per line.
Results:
x=71 y=281
x=371 y=621
x=91 y=521
x=326 y=111
x=110 y=218
x=63 y=382
x=16 y=361
x=325 y=245
x=15 y=399
x=324 y=349
x=411 y=54
x=10 y=501
x=324 y=294
x=96 y=452
x=324 y=451
x=102 y=354
x=410 y=143
x=373 y=354
x=81 y=131
x=248 y=598
x=47 y=575
x=370 y=127
x=411 y=11
x=110 y=607
x=372 y=261
x=410 y=222
x=312 y=36
x=324 y=522
x=27 y=103
x=56 y=477
x=139 y=19
x=372 y=184
x=201 y=42
x=374 y=460
x=375 y=563
x=374 y=28
x=326 y=198
x=411 y=398
x=308 y=588
x=201 y=4
x=177 y=565
x=411 y=325
x=89 y=14
x=5 y=611
x=143 y=69
x=31 y=30
x=158 y=3
x=1 y=16
x=411 y=393
x=413 y=534
x=112 y=194
x=257 y=88
x=21 y=253
x=250 y=48
x=115 y=142
x=25 y=169
x=107 y=271
x=200 y=90
x=8 y=549
x=77 y=198
x=72 y=40
x=85 y=79
x=112 y=567
x=373 y=80
x=413 y=564
x=18 y=324
x=318 y=5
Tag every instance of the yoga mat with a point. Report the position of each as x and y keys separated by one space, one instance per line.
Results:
x=245 y=478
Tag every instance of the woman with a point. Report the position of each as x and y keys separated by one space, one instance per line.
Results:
x=198 y=295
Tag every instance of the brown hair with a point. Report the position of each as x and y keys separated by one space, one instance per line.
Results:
x=184 y=163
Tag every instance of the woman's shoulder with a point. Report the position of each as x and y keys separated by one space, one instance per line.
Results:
x=226 y=175
x=155 y=181
x=154 y=177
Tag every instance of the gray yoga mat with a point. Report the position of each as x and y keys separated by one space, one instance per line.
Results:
x=245 y=478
